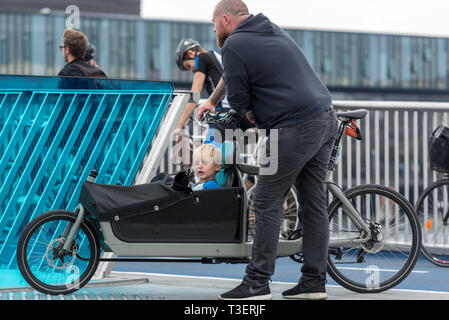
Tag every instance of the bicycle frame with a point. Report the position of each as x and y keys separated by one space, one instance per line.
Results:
x=336 y=191
x=353 y=214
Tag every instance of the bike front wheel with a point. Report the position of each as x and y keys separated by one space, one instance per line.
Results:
x=45 y=266
x=374 y=261
x=432 y=209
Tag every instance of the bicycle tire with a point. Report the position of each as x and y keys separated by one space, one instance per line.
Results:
x=434 y=202
x=29 y=272
x=290 y=212
x=375 y=249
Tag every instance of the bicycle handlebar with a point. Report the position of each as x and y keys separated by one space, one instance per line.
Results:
x=222 y=117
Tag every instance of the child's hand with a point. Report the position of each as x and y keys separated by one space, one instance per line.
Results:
x=178 y=134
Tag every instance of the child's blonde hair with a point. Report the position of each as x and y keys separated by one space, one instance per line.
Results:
x=208 y=151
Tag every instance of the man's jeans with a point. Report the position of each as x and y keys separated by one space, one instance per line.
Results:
x=303 y=155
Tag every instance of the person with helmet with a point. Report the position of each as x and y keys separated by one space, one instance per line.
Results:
x=208 y=70
x=206 y=65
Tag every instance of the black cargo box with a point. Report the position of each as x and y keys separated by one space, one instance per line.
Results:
x=156 y=212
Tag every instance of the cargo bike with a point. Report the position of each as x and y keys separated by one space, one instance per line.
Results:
x=59 y=251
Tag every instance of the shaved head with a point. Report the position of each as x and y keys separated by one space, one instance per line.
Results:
x=234 y=8
x=228 y=14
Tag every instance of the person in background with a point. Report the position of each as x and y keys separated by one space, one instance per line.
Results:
x=74 y=47
x=208 y=70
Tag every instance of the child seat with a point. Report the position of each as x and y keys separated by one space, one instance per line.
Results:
x=225 y=177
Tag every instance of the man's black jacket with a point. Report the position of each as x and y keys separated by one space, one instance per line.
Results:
x=80 y=68
x=265 y=71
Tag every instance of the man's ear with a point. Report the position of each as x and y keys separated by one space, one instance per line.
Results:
x=227 y=19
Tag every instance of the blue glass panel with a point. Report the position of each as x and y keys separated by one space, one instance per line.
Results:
x=54 y=131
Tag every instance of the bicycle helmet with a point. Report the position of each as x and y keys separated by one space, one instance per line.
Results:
x=184 y=45
x=90 y=52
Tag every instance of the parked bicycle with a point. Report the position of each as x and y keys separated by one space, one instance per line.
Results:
x=432 y=206
x=374 y=234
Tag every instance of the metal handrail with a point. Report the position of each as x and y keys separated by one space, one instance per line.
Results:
x=393 y=105
x=388 y=105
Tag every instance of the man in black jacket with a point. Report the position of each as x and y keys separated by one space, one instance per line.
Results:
x=266 y=74
x=74 y=47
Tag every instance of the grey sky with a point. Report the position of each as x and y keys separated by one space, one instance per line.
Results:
x=414 y=17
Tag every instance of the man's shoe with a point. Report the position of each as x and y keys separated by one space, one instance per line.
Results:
x=316 y=292
x=245 y=292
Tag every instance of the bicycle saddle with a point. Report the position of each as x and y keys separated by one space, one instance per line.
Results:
x=356 y=114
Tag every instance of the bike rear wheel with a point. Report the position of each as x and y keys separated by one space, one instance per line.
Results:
x=388 y=255
x=42 y=263
x=432 y=209
x=290 y=214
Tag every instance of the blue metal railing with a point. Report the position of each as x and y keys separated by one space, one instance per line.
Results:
x=54 y=131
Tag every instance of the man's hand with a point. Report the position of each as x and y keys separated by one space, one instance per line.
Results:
x=250 y=117
x=206 y=106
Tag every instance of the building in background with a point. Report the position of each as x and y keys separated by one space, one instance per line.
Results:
x=353 y=65
x=128 y=7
